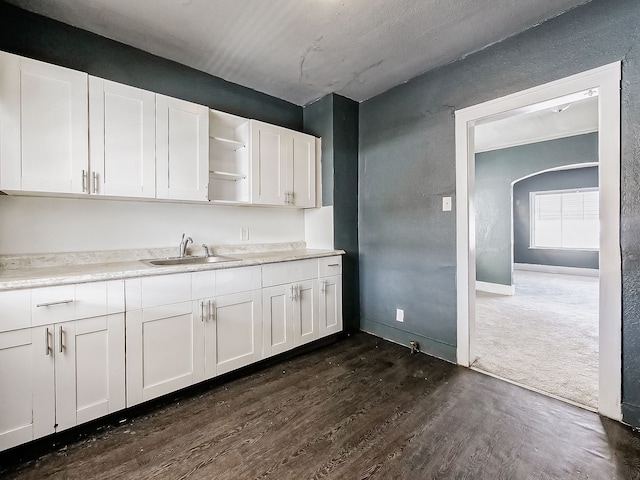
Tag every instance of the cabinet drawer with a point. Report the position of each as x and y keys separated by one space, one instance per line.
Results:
x=203 y=284
x=154 y=291
x=91 y=300
x=53 y=304
x=15 y=310
x=330 y=266
x=287 y=272
x=234 y=280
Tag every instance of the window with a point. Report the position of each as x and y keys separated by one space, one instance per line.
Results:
x=565 y=219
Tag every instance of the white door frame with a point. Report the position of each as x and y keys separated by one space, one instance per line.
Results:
x=607 y=80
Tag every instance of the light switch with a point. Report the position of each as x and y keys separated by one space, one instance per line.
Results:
x=446 y=204
x=244 y=234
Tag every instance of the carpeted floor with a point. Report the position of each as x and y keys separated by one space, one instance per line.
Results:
x=545 y=336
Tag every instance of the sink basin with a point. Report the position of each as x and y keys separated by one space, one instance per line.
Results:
x=163 y=262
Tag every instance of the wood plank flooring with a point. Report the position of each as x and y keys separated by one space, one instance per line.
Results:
x=362 y=408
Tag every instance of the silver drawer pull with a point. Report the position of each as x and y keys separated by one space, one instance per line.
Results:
x=50 y=304
x=333 y=265
x=61 y=335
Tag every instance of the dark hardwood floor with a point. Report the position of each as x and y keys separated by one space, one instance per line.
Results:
x=362 y=408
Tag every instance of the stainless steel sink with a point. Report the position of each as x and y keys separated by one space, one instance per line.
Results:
x=163 y=262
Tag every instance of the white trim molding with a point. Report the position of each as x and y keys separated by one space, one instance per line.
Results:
x=496 y=288
x=606 y=80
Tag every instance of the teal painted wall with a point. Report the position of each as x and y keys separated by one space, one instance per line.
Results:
x=407 y=164
x=335 y=119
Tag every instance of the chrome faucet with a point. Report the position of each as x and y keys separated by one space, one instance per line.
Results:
x=183 y=245
x=206 y=250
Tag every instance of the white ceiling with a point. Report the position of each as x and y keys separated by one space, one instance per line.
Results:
x=575 y=118
x=301 y=50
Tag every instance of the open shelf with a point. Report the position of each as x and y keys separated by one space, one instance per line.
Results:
x=227 y=175
x=229 y=144
x=229 y=166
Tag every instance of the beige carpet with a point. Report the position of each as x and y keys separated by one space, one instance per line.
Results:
x=545 y=336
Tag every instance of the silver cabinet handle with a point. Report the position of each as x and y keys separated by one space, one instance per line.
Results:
x=50 y=304
x=212 y=309
x=291 y=292
x=95 y=182
x=202 y=310
x=46 y=341
x=61 y=334
x=333 y=265
x=84 y=180
x=297 y=291
x=290 y=198
x=286 y=198
x=323 y=287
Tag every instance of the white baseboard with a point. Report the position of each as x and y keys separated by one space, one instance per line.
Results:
x=585 y=272
x=497 y=288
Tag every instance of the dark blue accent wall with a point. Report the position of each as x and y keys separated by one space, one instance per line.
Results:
x=335 y=119
x=495 y=172
x=407 y=163
x=34 y=36
x=571 y=179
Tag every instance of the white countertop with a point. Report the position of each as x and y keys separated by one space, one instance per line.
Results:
x=17 y=278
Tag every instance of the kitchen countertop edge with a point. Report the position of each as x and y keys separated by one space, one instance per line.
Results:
x=72 y=274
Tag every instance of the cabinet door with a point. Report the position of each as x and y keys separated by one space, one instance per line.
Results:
x=122 y=121
x=43 y=112
x=237 y=341
x=269 y=174
x=90 y=362
x=277 y=315
x=306 y=327
x=182 y=149
x=303 y=170
x=161 y=352
x=27 y=379
x=330 y=305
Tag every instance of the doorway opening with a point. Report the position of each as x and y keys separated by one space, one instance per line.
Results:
x=606 y=81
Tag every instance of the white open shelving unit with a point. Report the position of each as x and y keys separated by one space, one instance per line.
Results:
x=229 y=159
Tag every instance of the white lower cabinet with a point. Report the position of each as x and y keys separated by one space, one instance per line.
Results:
x=161 y=353
x=330 y=305
x=27 y=395
x=62 y=348
x=306 y=316
x=290 y=314
x=58 y=375
x=233 y=332
x=89 y=369
x=277 y=312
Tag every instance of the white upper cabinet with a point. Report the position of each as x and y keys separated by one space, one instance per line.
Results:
x=182 y=149
x=283 y=166
x=122 y=132
x=269 y=164
x=302 y=169
x=43 y=127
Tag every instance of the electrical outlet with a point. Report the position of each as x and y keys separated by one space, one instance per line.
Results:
x=446 y=204
x=244 y=233
x=399 y=315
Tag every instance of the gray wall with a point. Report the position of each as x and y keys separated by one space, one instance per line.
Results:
x=24 y=33
x=574 y=178
x=407 y=163
x=335 y=119
x=495 y=171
